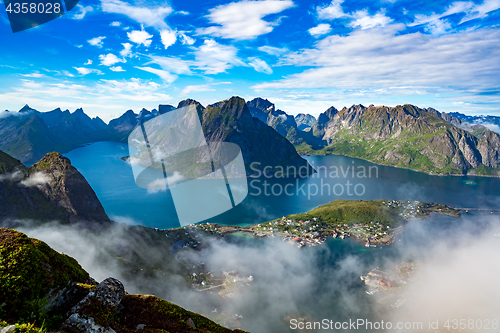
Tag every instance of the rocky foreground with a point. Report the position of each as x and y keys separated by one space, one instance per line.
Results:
x=42 y=290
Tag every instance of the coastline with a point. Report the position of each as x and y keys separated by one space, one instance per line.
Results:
x=320 y=236
x=404 y=168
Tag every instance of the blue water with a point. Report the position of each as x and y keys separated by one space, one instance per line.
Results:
x=113 y=181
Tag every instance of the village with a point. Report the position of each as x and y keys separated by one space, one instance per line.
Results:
x=390 y=283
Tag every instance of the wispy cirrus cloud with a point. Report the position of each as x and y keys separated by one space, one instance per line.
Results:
x=85 y=70
x=243 y=20
x=173 y=65
x=163 y=74
x=153 y=16
x=437 y=22
x=35 y=75
x=385 y=59
x=82 y=11
x=196 y=88
x=260 y=65
x=360 y=18
x=276 y=51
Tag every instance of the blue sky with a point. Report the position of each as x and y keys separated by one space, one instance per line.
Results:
x=111 y=55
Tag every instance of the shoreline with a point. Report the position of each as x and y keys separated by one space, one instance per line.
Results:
x=404 y=168
x=224 y=230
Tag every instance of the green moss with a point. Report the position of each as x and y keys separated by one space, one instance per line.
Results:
x=486 y=171
x=29 y=270
x=353 y=211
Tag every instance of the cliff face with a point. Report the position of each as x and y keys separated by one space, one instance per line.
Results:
x=409 y=137
x=67 y=188
x=304 y=121
x=51 y=189
x=283 y=123
x=231 y=121
x=27 y=138
x=40 y=285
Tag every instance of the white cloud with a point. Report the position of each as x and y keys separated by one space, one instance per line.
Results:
x=164 y=75
x=140 y=37
x=149 y=16
x=134 y=90
x=260 y=65
x=385 y=59
x=115 y=24
x=109 y=59
x=185 y=39
x=481 y=11
x=321 y=29
x=332 y=11
x=38 y=178
x=438 y=27
x=196 y=88
x=88 y=62
x=12 y=177
x=35 y=74
x=359 y=18
x=117 y=69
x=365 y=21
x=83 y=10
x=96 y=41
x=85 y=70
x=470 y=9
x=157 y=185
x=276 y=51
x=126 y=49
x=214 y=58
x=173 y=65
x=168 y=37
x=244 y=19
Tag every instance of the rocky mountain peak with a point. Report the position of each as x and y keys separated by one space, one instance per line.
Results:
x=26 y=108
x=65 y=187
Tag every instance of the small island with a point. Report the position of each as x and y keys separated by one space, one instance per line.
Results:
x=372 y=222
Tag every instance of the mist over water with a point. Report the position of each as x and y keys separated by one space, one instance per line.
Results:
x=458 y=257
x=457 y=275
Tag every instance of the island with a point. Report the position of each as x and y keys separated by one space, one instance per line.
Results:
x=372 y=222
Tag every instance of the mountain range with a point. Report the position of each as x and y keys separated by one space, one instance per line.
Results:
x=29 y=134
x=410 y=137
x=404 y=136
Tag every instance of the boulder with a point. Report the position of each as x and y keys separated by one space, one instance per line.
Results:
x=93 y=313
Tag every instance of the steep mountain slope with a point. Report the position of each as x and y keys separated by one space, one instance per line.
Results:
x=283 y=123
x=231 y=121
x=304 y=121
x=491 y=122
x=50 y=289
x=409 y=137
x=124 y=124
x=51 y=189
x=67 y=188
x=28 y=138
x=29 y=134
